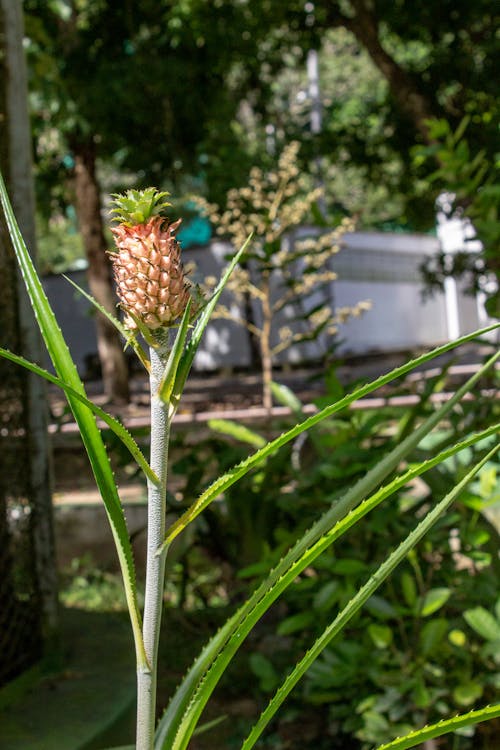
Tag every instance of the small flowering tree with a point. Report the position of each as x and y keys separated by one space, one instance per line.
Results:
x=157 y=301
x=287 y=281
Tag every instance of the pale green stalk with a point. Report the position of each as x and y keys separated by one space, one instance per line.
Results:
x=155 y=564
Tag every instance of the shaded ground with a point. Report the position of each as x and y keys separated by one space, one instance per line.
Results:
x=88 y=703
x=64 y=709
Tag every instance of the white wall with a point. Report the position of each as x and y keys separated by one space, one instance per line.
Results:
x=381 y=267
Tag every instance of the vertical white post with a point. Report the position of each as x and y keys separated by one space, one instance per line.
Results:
x=313 y=86
x=451 y=305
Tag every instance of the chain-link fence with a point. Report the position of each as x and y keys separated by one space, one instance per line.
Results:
x=28 y=604
x=20 y=603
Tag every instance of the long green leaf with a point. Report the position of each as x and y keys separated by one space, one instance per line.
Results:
x=180 y=718
x=167 y=384
x=114 y=425
x=66 y=370
x=238 y=431
x=360 y=598
x=420 y=736
x=228 y=479
x=239 y=628
x=129 y=338
x=189 y=352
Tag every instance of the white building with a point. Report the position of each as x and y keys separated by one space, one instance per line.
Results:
x=377 y=266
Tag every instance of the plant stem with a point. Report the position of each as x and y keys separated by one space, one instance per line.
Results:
x=155 y=564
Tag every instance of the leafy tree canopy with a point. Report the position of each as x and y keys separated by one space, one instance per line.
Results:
x=181 y=93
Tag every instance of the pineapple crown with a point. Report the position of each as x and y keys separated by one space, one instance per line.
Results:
x=138 y=206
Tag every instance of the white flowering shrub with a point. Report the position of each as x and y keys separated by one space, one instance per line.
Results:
x=283 y=287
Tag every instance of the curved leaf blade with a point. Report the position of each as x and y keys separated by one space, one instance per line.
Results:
x=446 y=726
x=129 y=338
x=362 y=595
x=189 y=352
x=181 y=716
x=166 y=389
x=91 y=436
x=227 y=480
x=120 y=431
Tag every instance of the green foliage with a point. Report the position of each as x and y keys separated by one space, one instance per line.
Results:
x=92 y=440
x=304 y=550
x=217 y=88
x=412 y=632
x=115 y=426
x=459 y=724
x=473 y=180
x=59 y=246
x=88 y=587
x=138 y=206
x=414 y=627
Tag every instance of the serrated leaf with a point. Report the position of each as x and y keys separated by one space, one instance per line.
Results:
x=92 y=440
x=179 y=720
x=232 y=476
x=358 y=600
x=430 y=732
x=113 y=424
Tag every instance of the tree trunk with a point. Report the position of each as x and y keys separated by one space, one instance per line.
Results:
x=110 y=348
x=404 y=89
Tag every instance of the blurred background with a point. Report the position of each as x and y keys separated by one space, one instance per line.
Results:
x=359 y=140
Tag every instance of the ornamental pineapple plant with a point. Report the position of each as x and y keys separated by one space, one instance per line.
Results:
x=148 y=236
x=150 y=279
x=283 y=288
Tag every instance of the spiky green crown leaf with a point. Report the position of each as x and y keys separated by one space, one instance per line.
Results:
x=138 y=206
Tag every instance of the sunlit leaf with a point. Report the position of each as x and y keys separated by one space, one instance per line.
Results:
x=483 y=623
x=434 y=600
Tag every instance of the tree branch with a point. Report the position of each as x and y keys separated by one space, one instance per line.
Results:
x=404 y=89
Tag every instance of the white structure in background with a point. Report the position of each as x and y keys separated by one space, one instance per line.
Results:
x=386 y=269
x=456 y=235
x=378 y=266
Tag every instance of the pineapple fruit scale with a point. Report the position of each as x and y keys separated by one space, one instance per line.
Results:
x=150 y=279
